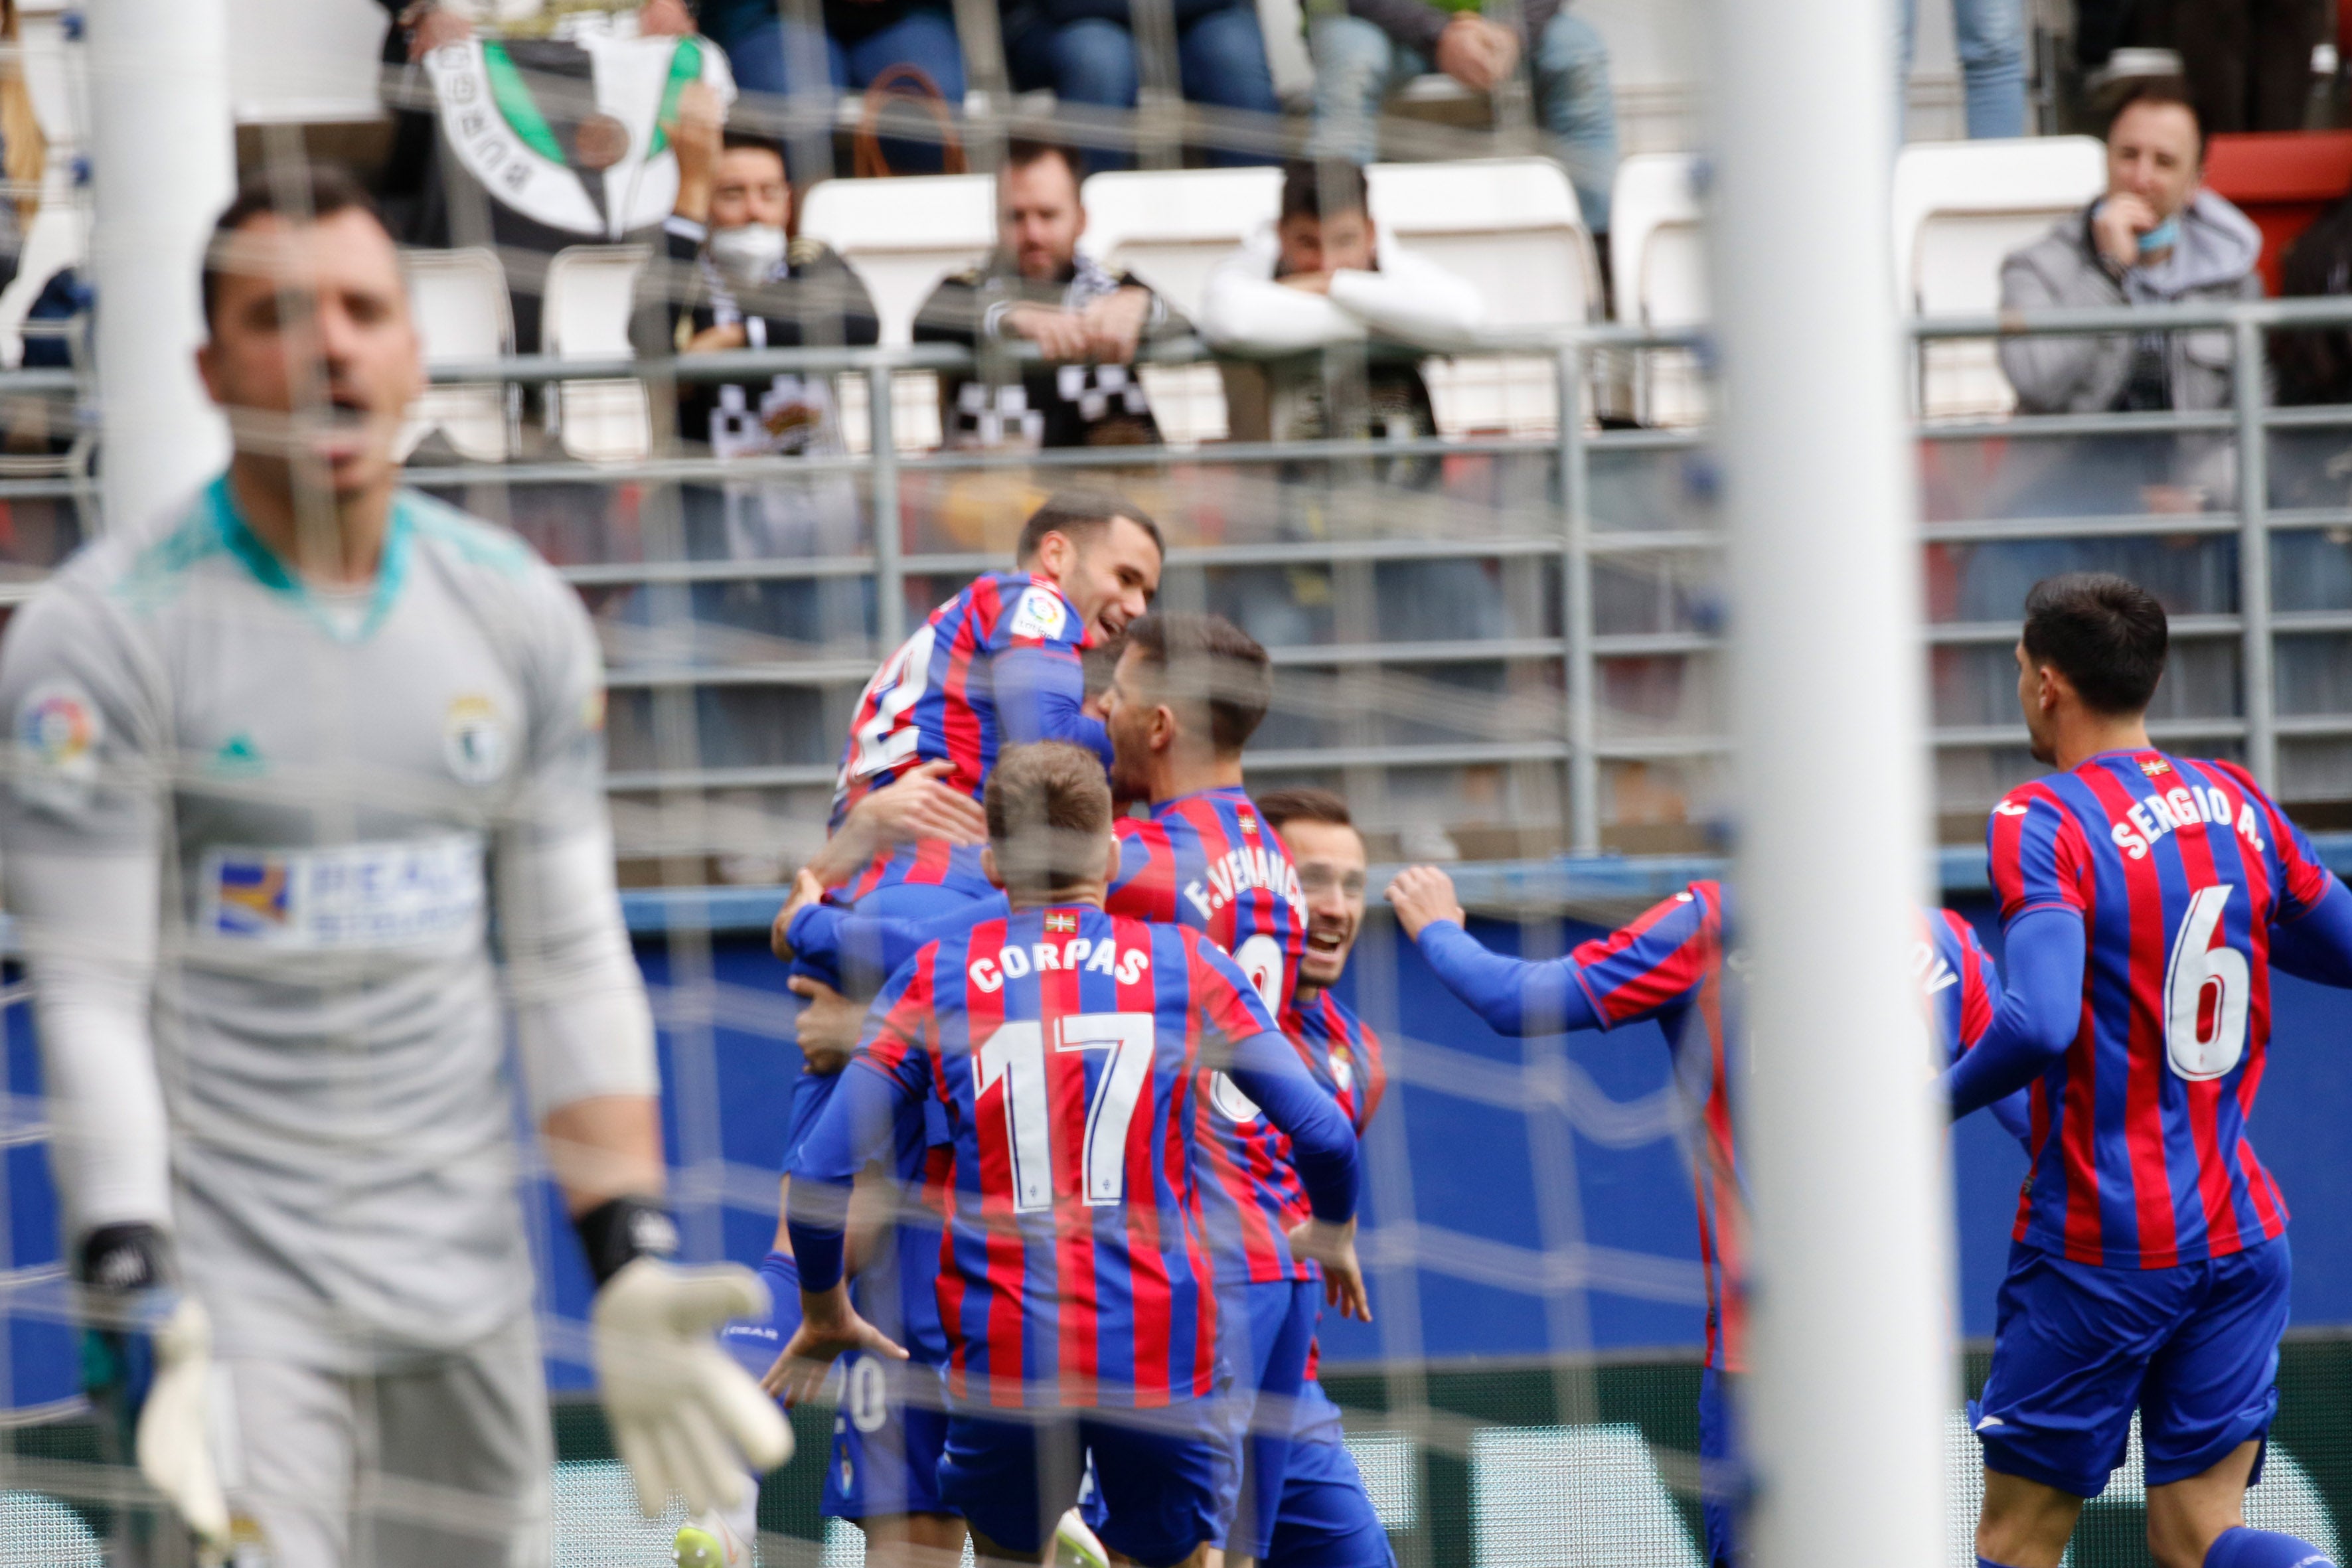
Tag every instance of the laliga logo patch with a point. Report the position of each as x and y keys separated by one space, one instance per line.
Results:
x=1040 y=613
x=475 y=740
x=61 y=729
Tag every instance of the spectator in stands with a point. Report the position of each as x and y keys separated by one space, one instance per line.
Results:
x=1378 y=45
x=735 y=281
x=1085 y=319
x=2156 y=237
x=862 y=39
x=1085 y=50
x=1321 y=280
x=1991 y=38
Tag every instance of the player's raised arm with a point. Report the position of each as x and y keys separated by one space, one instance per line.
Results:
x=1514 y=996
x=864 y=951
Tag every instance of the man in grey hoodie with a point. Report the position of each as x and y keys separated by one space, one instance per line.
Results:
x=2157 y=238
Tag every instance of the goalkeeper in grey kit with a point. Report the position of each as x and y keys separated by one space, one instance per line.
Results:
x=273 y=762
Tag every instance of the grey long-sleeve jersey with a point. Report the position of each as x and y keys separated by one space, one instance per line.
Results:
x=253 y=838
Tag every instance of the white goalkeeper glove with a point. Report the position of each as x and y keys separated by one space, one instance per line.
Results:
x=684 y=1417
x=152 y=1368
x=175 y=1443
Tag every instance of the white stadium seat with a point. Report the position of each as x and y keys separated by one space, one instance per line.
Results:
x=901 y=237
x=1511 y=227
x=1657 y=263
x=1170 y=228
x=463 y=314
x=584 y=314
x=1959 y=207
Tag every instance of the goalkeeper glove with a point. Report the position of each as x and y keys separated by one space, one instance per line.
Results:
x=146 y=1360
x=684 y=1417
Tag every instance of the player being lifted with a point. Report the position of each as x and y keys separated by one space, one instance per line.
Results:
x=998 y=665
x=1668 y=965
x=270 y=760
x=1067 y=1047
x=1185 y=695
x=2146 y=898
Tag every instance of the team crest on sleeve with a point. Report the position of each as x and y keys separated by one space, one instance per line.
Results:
x=57 y=731
x=1040 y=614
x=474 y=740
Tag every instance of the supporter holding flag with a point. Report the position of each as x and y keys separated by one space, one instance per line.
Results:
x=1081 y=1159
x=1669 y=966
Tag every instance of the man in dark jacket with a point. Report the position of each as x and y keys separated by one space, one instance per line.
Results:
x=1378 y=45
x=1085 y=319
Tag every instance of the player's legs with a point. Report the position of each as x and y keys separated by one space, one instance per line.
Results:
x=2072 y=1345
x=1326 y=1518
x=882 y=1473
x=292 y=1435
x=1267 y=1346
x=462 y=1456
x=1011 y=1481
x=2209 y=1398
x=1163 y=1475
x=1722 y=1477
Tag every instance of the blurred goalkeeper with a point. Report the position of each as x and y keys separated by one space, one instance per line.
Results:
x=270 y=756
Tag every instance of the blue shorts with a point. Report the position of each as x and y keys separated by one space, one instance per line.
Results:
x=1160 y=1475
x=1327 y=1519
x=2076 y=1348
x=755 y=1342
x=1722 y=1477
x=889 y=1432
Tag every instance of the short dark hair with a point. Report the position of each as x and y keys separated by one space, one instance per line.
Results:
x=1325 y=188
x=1048 y=806
x=1208 y=660
x=1304 y=802
x=1023 y=151
x=2161 y=91
x=754 y=141
x=2104 y=633
x=1077 y=516
x=303 y=195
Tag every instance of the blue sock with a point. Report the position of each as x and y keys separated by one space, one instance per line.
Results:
x=2244 y=1548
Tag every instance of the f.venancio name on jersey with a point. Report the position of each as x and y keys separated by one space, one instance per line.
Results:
x=1017 y=960
x=1243 y=868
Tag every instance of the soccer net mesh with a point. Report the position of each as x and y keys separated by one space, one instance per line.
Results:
x=1494 y=610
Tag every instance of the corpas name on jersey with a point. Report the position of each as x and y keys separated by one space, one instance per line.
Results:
x=1016 y=959
x=350 y=897
x=2183 y=805
x=1237 y=871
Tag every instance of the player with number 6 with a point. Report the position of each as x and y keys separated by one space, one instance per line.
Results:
x=2146 y=898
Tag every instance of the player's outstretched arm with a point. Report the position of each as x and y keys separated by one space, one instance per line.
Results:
x=2317 y=945
x=866 y=950
x=2040 y=1009
x=855 y=1129
x=919 y=805
x=1041 y=695
x=1323 y=1149
x=1514 y=996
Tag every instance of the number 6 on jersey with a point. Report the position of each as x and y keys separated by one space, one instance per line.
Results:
x=1015 y=1055
x=2206 y=989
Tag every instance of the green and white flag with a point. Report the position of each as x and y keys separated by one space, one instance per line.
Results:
x=569 y=133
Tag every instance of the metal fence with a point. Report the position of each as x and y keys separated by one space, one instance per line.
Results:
x=1500 y=645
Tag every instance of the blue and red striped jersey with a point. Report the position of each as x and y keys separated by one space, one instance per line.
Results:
x=1962 y=985
x=1327 y=1027
x=1067 y=1046
x=1668 y=965
x=942 y=697
x=926 y=862
x=1208 y=861
x=2179 y=868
